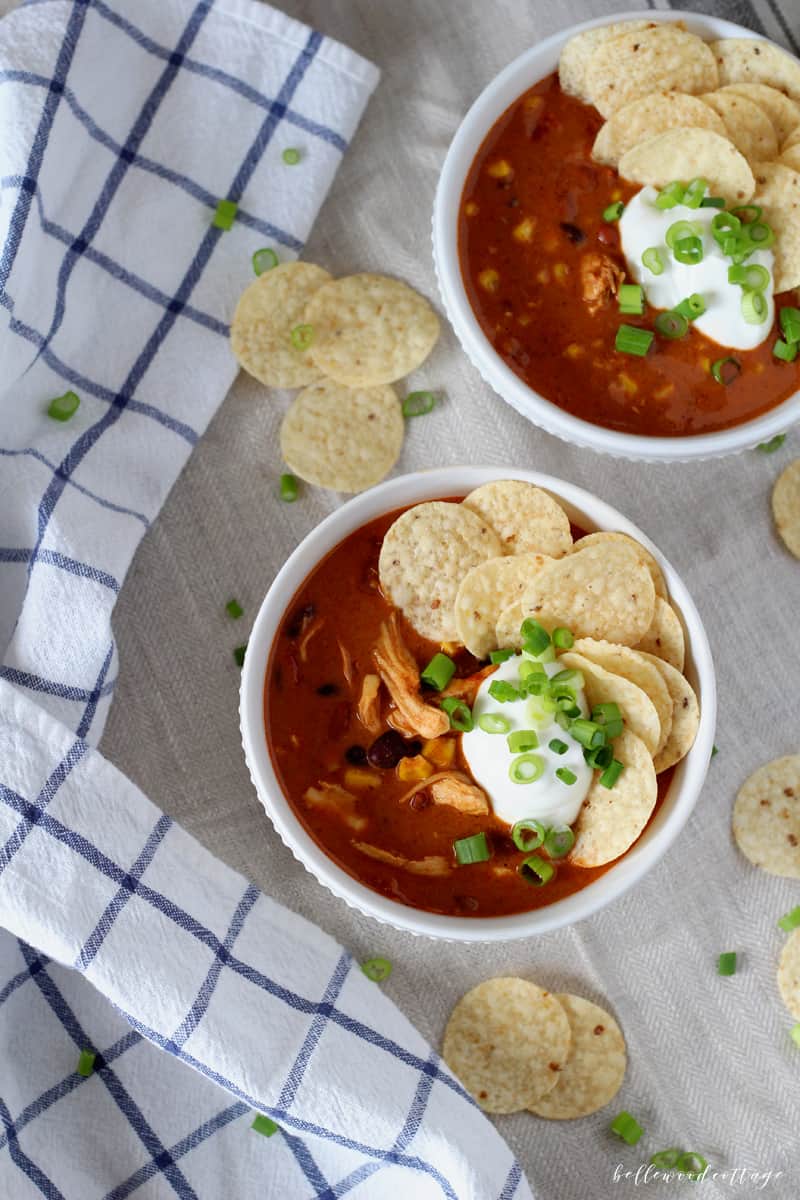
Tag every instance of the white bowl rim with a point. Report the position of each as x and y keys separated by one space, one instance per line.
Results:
x=661 y=833
x=532 y=65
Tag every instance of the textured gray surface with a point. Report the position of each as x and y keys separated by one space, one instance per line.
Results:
x=711 y=1063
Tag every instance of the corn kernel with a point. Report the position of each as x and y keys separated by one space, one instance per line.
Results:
x=525 y=230
x=628 y=385
x=560 y=271
x=414 y=770
x=543 y=276
x=664 y=392
x=489 y=279
x=360 y=779
x=471 y=208
x=574 y=350
x=500 y=169
x=450 y=648
x=616 y=195
x=441 y=751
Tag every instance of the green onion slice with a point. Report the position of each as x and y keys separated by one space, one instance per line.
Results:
x=503 y=691
x=632 y=340
x=238 y=655
x=474 y=849
x=526 y=769
x=614 y=211
x=754 y=307
x=557 y=746
x=559 y=841
x=418 y=404
x=234 y=609
x=598 y=757
x=535 y=637
x=671 y=195
x=631 y=299
x=537 y=871
x=786 y=352
x=666 y=1160
x=688 y=250
x=588 y=733
x=563 y=638
x=712 y=202
x=501 y=656
x=653 y=261
x=459 y=713
x=291 y=156
x=571 y=678
x=753 y=277
x=747 y=213
x=439 y=671
x=726 y=963
x=289 y=488
x=377 y=969
x=264 y=1125
x=612 y=774
x=695 y=191
x=264 y=260
x=566 y=776
x=790 y=920
x=225 y=214
x=692 y=1164
x=760 y=235
x=86 y=1063
x=494 y=723
x=726 y=370
x=627 y=1127
x=522 y=740
x=679 y=230
x=63 y=407
x=528 y=835
x=795 y=1033
x=302 y=336
x=671 y=325
x=790 y=324
x=723 y=224
x=692 y=307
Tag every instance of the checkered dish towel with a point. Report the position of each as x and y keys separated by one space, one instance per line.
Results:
x=122 y=122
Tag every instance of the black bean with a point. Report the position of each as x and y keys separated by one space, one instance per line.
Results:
x=574 y=234
x=356 y=755
x=387 y=750
x=327 y=689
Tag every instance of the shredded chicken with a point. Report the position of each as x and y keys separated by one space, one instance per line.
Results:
x=433 y=864
x=312 y=630
x=458 y=793
x=467 y=689
x=369 y=704
x=600 y=279
x=399 y=672
x=334 y=799
x=396 y=721
x=347 y=664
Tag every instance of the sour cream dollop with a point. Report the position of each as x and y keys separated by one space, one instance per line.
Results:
x=548 y=799
x=643 y=225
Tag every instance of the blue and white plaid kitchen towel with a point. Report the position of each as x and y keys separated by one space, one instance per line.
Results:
x=122 y=123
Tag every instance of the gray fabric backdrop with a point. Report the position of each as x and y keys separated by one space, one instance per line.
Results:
x=711 y=1064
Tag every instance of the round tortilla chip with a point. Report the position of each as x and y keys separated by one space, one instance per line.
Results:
x=606 y=535
x=778 y=194
x=425 y=555
x=369 y=329
x=620 y=660
x=507 y=1041
x=747 y=125
x=783 y=112
x=595 y=1069
x=663 y=59
x=649 y=115
x=751 y=60
x=579 y=49
x=602 y=591
x=603 y=686
x=267 y=312
x=685 y=715
x=509 y=623
x=665 y=639
x=485 y=591
x=524 y=517
x=686 y=153
x=342 y=438
x=766 y=817
x=789 y=974
x=786 y=506
x=611 y=819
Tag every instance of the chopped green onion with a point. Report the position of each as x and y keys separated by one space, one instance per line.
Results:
x=679 y=230
x=503 y=691
x=665 y=1160
x=302 y=336
x=234 y=609
x=264 y=1125
x=692 y=307
x=528 y=835
x=671 y=195
x=86 y=1063
x=289 y=488
x=754 y=307
x=794 y=1033
x=563 y=638
x=535 y=637
x=632 y=340
x=714 y=751
x=631 y=298
x=537 y=871
x=473 y=849
x=529 y=670
x=418 y=404
x=63 y=407
x=614 y=211
x=264 y=260
x=688 y=250
x=377 y=969
x=752 y=210
x=238 y=655
x=225 y=214
x=724 y=224
x=570 y=678
x=560 y=839
x=494 y=723
x=526 y=769
x=627 y=1127
x=588 y=733
x=712 y=202
x=692 y=1164
x=726 y=370
x=291 y=156
x=605 y=714
x=521 y=740
x=790 y=920
x=726 y=963
x=695 y=191
x=790 y=324
x=439 y=671
x=760 y=235
x=653 y=261
x=557 y=746
x=460 y=714
x=612 y=774
x=671 y=325
x=599 y=757
x=753 y=277
x=566 y=776
x=785 y=351
x=501 y=656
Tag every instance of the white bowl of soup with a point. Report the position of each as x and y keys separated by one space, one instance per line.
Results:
x=376 y=790
x=529 y=271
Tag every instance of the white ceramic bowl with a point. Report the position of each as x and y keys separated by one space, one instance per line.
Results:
x=521 y=74
x=589 y=513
